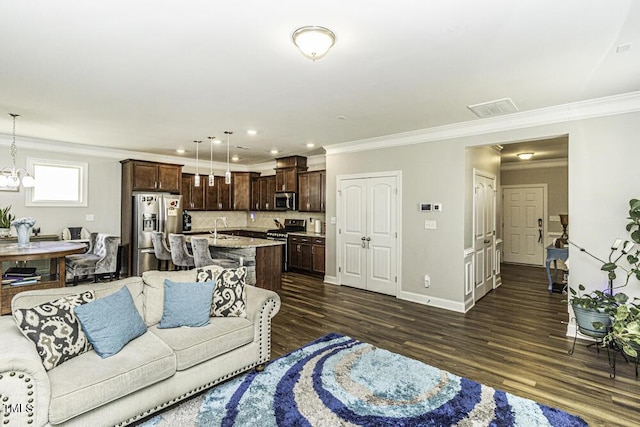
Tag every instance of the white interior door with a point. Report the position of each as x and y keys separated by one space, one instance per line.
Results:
x=484 y=229
x=368 y=233
x=523 y=229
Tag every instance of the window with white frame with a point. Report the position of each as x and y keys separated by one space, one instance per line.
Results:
x=58 y=183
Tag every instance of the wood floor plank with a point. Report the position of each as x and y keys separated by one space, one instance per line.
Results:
x=514 y=339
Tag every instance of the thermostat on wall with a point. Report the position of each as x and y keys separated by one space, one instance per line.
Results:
x=424 y=207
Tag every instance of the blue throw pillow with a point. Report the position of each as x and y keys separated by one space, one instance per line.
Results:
x=111 y=322
x=186 y=304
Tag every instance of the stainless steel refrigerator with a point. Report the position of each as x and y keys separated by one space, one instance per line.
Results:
x=152 y=212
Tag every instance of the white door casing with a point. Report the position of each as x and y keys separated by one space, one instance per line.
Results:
x=484 y=235
x=367 y=233
x=524 y=223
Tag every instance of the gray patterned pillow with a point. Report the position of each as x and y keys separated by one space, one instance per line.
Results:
x=229 y=295
x=54 y=328
x=207 y=273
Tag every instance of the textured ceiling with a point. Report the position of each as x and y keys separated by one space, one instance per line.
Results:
x=153 y=76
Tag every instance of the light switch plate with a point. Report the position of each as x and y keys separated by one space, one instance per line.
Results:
x=89 y=217
x=430 y=224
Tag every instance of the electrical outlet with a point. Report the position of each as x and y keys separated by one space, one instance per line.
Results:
x=89 y=217
x=427 y=281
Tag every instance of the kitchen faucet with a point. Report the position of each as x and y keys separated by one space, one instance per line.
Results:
x=215 y=225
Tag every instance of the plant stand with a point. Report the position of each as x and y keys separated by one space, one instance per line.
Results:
x=612 y=351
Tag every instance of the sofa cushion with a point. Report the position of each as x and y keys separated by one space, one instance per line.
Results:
x=54 y=328
x=186 y=304
x=154 y=291
x=196 y=345
x=88 y=381
x=111 y=322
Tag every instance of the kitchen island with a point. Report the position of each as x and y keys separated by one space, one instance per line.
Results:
x=262 y=257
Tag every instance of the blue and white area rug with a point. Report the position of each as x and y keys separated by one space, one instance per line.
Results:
x=339 y=381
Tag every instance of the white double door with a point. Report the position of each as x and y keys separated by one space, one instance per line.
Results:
x=367 y=233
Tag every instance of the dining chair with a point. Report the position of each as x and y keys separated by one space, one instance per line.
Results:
x=161 y=250
x=202 y=255
x=100 y=260
x=180 y=255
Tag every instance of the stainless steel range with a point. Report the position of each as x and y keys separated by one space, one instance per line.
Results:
x=281 y=234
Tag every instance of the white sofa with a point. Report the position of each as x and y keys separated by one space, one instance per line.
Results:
x=155 y=370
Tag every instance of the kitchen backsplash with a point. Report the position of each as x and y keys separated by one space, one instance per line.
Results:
x=203 y=220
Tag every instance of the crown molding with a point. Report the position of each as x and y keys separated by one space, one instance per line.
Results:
x=592 y=108
x=535 y=164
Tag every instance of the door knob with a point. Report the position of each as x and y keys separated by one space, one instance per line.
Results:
x=363 y=242
x=487 y=241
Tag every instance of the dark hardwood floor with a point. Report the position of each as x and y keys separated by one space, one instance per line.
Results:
x=513 y=340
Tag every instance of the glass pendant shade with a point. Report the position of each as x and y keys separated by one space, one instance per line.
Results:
x=227 y=174
x=196 y=179
x=212 y=178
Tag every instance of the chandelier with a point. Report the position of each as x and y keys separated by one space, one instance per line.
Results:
x=10 y=176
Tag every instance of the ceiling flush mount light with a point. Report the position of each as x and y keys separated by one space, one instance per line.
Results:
x=227 y=174
x=212 y=178
x=314 y=42
x=525 y=156
x=10 y=175
x=196 y=179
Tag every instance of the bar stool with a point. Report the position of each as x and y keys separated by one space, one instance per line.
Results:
x=202 y=256
x=180 y=256
x=162 y=251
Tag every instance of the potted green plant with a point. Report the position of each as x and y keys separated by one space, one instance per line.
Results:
x=5 y=221
x=624 y=331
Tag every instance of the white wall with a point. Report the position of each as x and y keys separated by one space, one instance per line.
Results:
x=103 y=196
x=603 y=175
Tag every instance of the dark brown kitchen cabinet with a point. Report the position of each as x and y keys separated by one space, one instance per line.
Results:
x=262 y=192
x=142 y=175
x=311 y=191
x=307 y=254
x=150 y=176
x=218 y=196
x=287 y=170
x=192 y=196
x=242 y=190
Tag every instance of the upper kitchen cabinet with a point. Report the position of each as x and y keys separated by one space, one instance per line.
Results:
x=242 y=189
x=312 y=191
x=192 y=196
x=262 y=191
x=218 y=196
x=287 y=170
x=140 y=175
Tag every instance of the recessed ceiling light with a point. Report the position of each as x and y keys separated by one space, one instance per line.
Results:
x=310 y=145
x=274 y=151
x=341 y=117
x=235 y=158
x=252 y=132
x=525 y=156
x=180 y=151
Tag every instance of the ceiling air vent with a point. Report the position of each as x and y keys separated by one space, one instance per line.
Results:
x=493 y=108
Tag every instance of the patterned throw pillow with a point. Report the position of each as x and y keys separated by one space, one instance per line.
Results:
x=54 y=328
x=229 y=295
x=208 y=273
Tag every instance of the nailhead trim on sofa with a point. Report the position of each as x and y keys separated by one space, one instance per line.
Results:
x=264 y=357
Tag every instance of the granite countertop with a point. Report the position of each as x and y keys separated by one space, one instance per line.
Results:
x=237 y=241
x=225 y=230
x=307 y=234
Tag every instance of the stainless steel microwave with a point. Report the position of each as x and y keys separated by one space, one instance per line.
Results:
x=285 y=201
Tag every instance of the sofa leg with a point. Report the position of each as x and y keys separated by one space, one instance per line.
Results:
x=260 y=367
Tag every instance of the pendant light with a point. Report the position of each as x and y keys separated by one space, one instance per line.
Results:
x=227 y=174
x=212 y=178
x=10 y=175
x=196 y=179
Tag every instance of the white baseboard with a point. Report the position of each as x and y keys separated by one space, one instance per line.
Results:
x=432 y=301
x=332 y=280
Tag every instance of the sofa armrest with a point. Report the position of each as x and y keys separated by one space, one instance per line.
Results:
x=24 y=384
x=262 y=305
